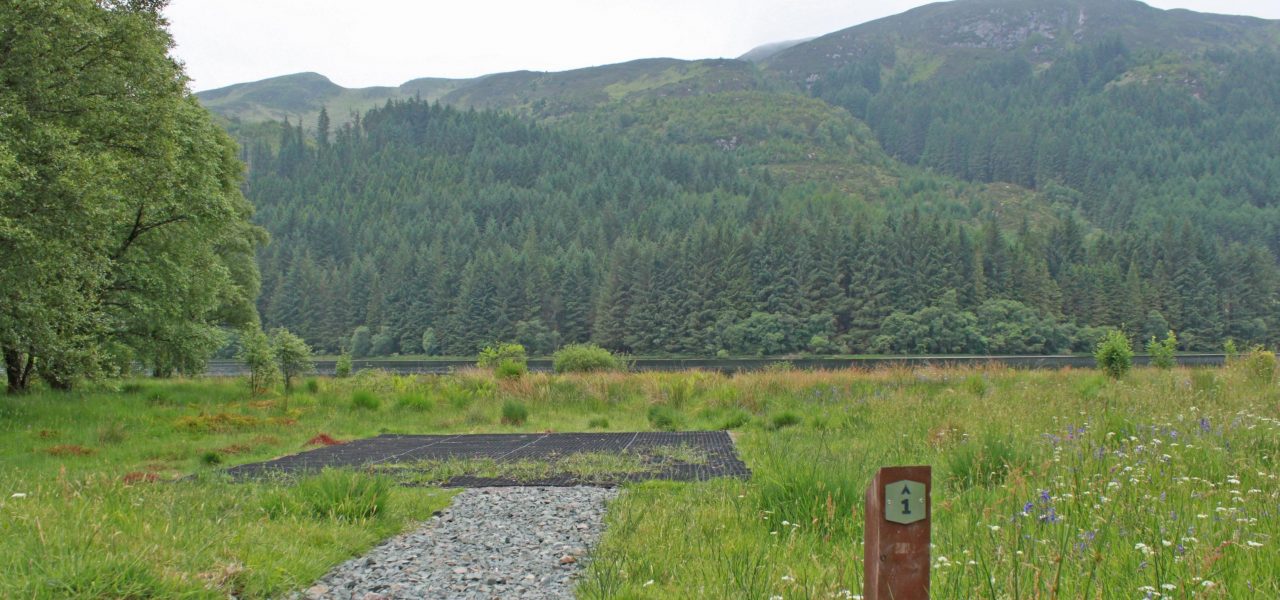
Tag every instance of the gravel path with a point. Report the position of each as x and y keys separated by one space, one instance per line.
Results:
x=511 y=542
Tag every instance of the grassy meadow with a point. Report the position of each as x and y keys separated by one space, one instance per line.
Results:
x=1047 y=483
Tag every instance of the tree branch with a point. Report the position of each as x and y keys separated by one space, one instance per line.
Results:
x=139 y=229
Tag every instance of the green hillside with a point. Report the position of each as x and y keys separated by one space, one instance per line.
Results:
x=1058 y=166
x=1137 y=115
x=948 y=38
x=300 y=97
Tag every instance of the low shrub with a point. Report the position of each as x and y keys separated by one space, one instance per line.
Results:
x=1114 y=354
x=514 y=413
x=585 y=358
x=211 y=458
x=1162 y=352
x=511 y=369
x=598 y=423
x=1259 y=365
x=343 y=367
x=313 y=386
x=365 y=400
x=493 y=355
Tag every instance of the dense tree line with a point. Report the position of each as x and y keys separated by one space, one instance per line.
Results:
x=125 y=237
x=421 y=228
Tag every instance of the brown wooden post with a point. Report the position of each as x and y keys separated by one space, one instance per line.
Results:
x=899 y=517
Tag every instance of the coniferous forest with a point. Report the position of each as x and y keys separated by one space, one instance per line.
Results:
x=419 y=228
x=982 y=176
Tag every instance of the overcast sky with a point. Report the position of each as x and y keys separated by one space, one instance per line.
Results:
x=387 y=42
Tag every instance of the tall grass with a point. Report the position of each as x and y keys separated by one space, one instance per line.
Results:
x=1047 y=484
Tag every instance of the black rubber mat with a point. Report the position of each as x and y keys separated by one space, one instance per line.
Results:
x=715 y=449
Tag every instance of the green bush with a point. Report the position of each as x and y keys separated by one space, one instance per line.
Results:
x=585 y=358
x=493 y=355
x=598 y=423
x=313 y=386
x=342 y=370
x=1259 y=365
x=257 y=353
x=1231 y=350
x=211 y=458
x=333 y=494
x=292 y=355
x=1162 y=352
x=361 y=342
x=1114 y=355
x=663 y=418
x=511 y=369
x=365 y=400
x=514 y=413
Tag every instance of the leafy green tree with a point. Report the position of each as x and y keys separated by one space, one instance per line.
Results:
x=1010 y=327
x=498 y=353
x=1114 y=354
x=384 y=343
x=125 y=235
x=293 y=356
x=429 y=342
x=258 y=354
x=535 y=336
x=342 y=368
x=361 y=342
x=1162 y=352
x=940 y=329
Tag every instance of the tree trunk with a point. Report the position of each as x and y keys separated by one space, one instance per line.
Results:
x=17 y=370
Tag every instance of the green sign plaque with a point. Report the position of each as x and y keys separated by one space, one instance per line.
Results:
x=904 y=502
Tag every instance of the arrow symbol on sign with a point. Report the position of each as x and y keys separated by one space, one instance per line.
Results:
x=906 y=490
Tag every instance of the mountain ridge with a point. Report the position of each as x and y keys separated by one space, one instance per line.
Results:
x=1040 y=30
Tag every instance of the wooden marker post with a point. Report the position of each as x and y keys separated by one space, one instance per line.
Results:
x=899 y=517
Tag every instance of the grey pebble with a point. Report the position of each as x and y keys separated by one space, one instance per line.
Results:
x=489 y=543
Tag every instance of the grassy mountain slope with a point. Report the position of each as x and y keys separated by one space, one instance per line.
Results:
x=948 y=37
x=301 y=96
x=763 y=52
